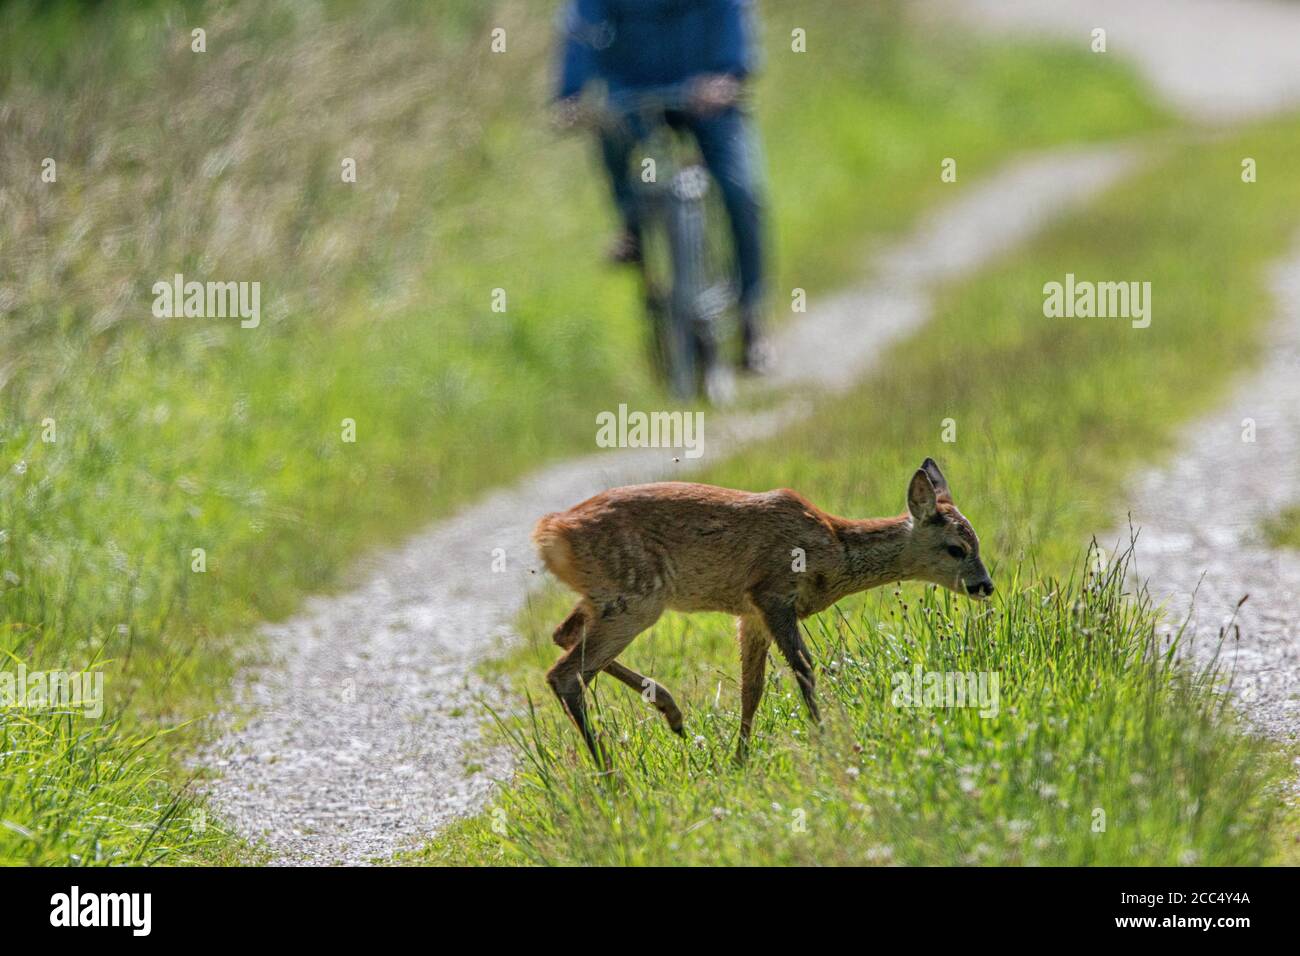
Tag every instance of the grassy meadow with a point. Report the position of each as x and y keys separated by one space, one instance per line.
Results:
x=128 y=442
x=1104 y=750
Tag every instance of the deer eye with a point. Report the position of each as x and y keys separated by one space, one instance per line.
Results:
x=956 y=552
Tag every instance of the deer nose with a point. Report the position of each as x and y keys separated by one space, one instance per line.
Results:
x=980 y=588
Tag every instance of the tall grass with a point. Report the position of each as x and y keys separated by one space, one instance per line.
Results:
x=87 y=792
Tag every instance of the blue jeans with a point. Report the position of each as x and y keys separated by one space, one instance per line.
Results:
x=730 y=151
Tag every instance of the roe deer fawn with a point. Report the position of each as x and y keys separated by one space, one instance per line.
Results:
x=632 y=552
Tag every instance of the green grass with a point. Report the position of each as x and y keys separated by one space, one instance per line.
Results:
x=182 y=434
x=1052 y=416
x=100 y=788
x=1283 y=530
x=1096 y=756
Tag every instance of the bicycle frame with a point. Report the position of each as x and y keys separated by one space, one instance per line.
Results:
x=681 y=219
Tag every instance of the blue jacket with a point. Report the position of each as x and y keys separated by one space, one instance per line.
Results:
x=639 y=43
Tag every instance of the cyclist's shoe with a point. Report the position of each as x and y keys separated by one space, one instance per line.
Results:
x=759 y=358
x=625 y=249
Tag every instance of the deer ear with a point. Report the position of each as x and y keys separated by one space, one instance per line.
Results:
x=921 y=499
x=937 y=479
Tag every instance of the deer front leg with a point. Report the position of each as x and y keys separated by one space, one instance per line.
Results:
x=754 y=641
x=783 y=622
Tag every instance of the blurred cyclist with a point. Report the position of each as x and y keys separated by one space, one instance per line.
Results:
x=706 y=47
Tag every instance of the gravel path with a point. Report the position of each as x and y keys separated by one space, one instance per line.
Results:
x=1216 y=61
x=364 y=727
x=1201 y=519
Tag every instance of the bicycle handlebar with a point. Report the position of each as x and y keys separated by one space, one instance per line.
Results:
x=677 y=97
x=643 y=101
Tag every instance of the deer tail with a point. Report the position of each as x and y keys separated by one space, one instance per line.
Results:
x=550 y=536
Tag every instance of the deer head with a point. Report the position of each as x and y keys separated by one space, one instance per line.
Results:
x=943 y=548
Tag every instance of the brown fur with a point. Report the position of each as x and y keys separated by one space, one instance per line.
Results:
x=633 y=552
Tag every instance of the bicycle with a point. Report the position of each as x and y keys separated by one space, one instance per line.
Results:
x=687 y=269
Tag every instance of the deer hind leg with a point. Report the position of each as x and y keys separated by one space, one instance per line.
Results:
x=754 y=642
x=570 y=632
x=656 y=693
x=782 y=621
x=610 y=627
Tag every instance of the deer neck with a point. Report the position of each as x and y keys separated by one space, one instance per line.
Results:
x=874 y=550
